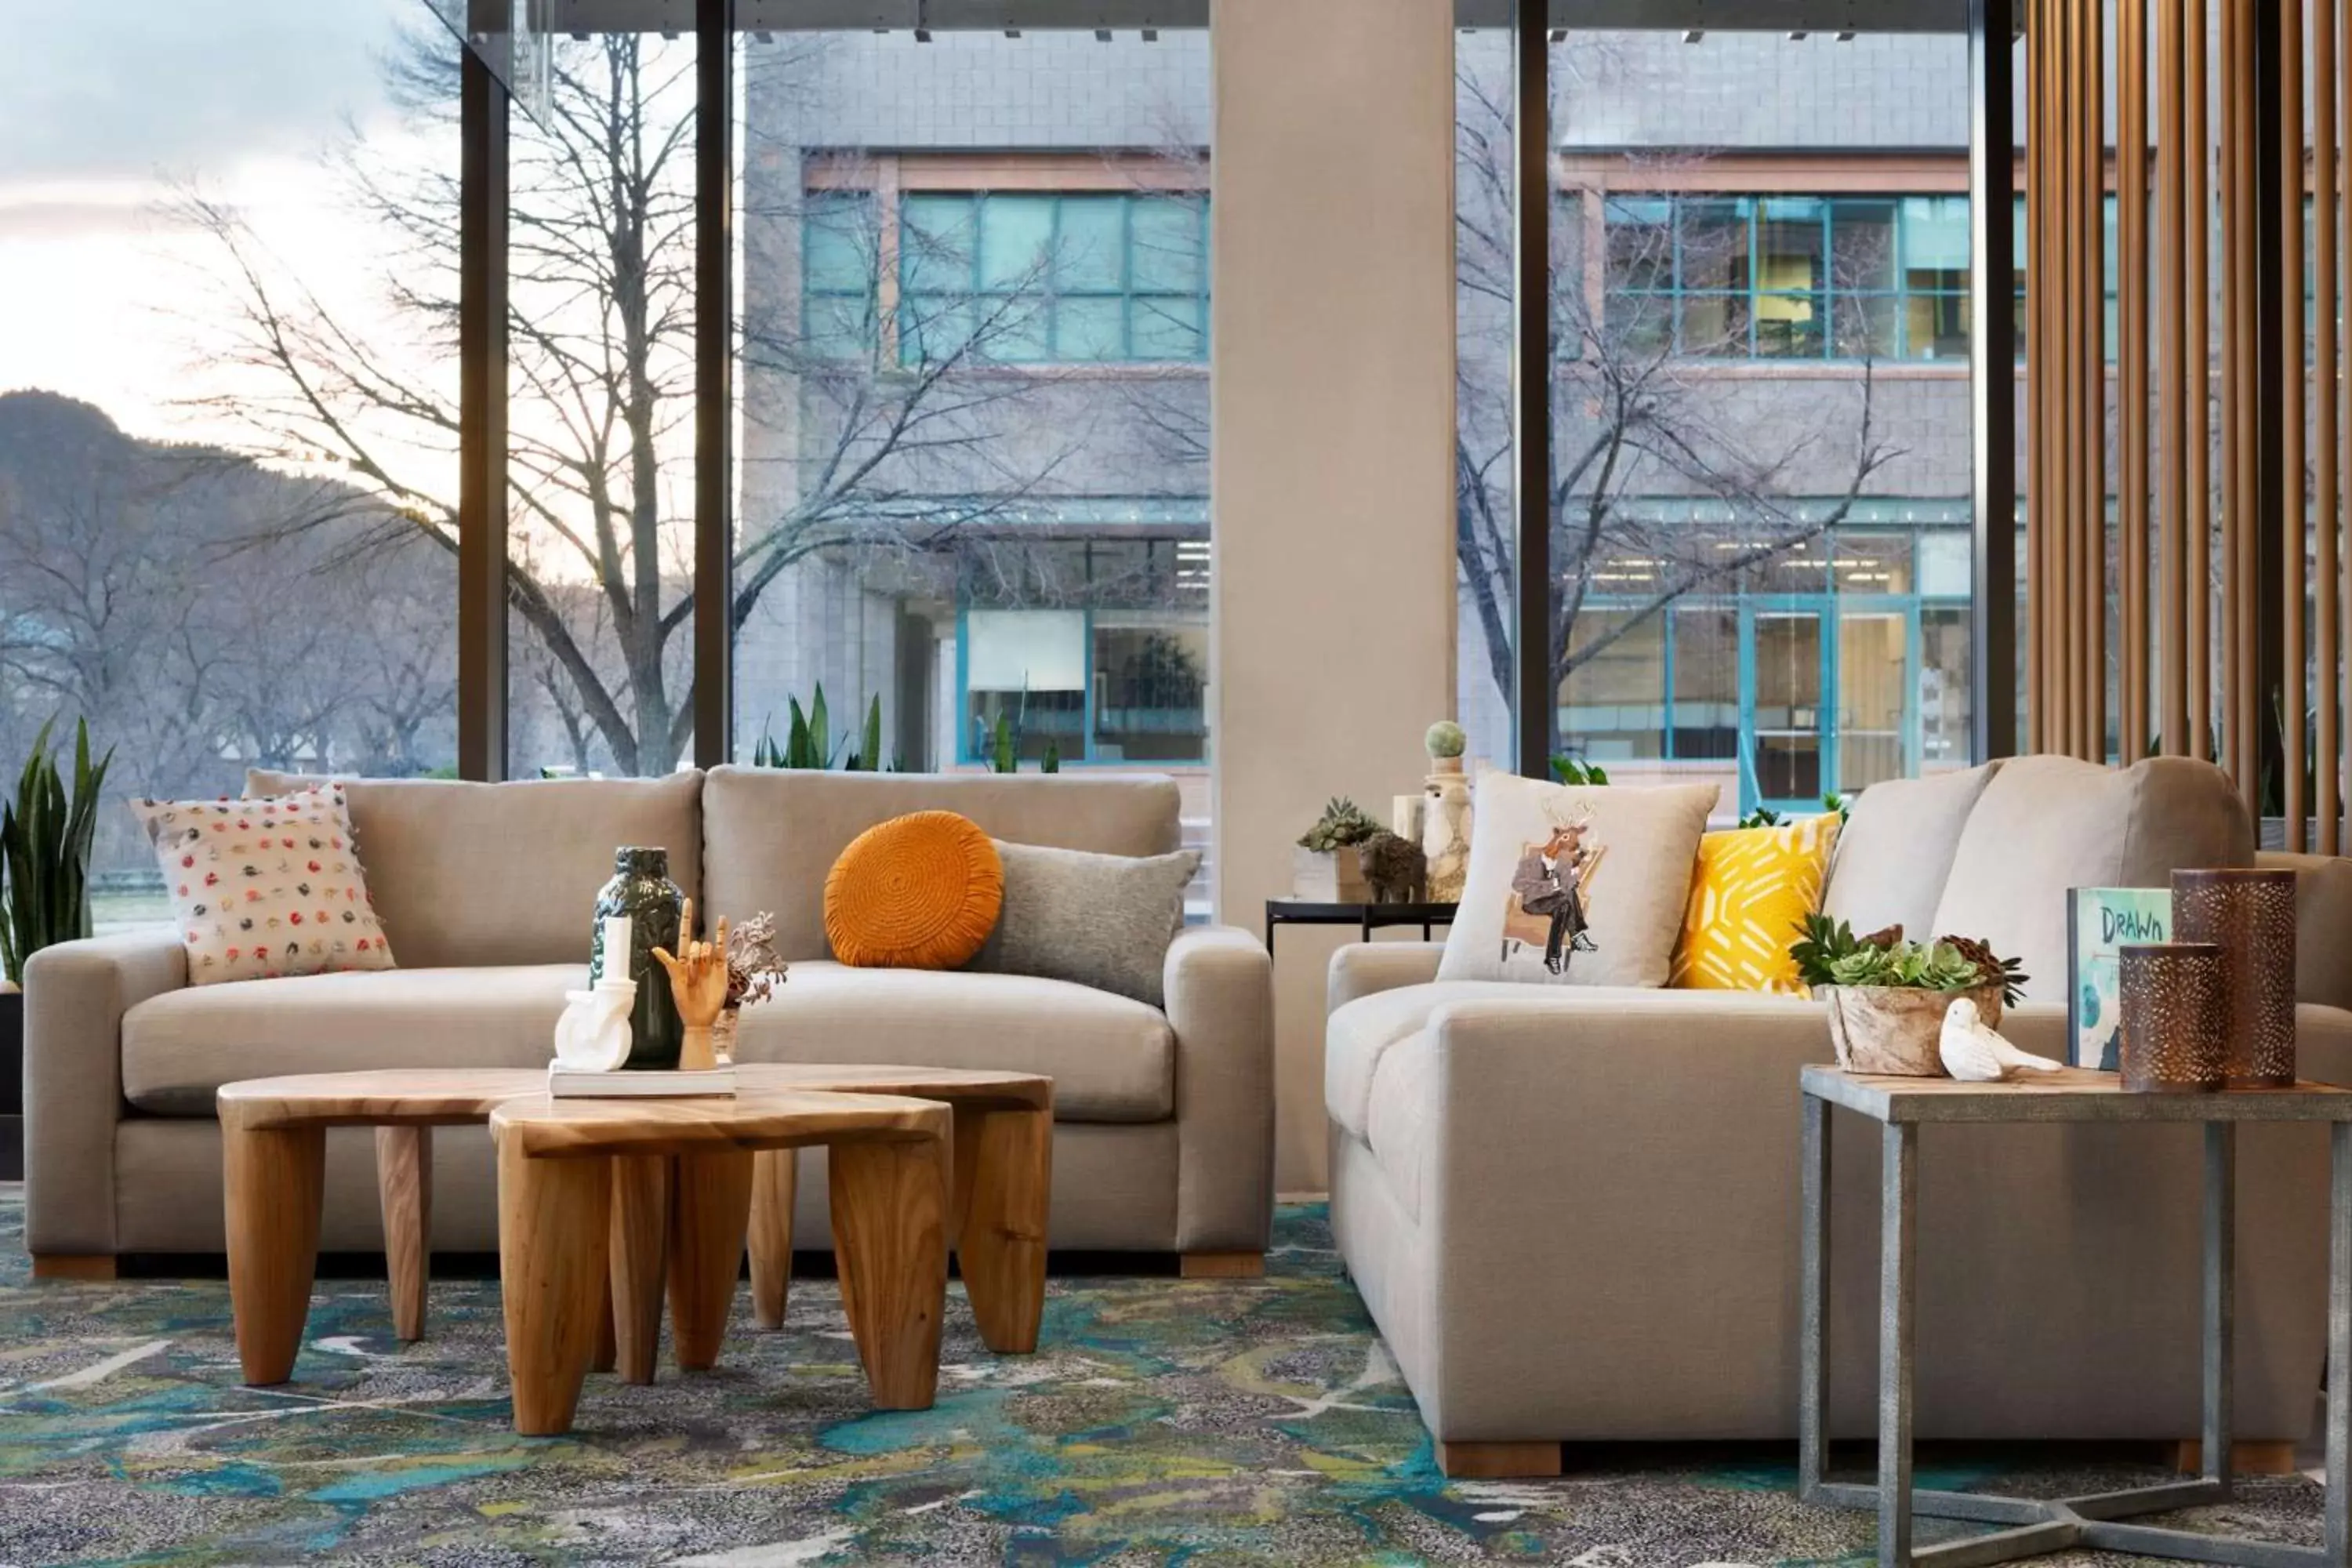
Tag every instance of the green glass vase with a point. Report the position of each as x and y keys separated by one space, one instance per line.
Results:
x=641 y=889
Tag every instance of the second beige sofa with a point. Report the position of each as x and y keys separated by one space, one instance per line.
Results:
x=1573 y=1211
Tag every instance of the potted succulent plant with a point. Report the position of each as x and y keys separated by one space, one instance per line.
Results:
x=1886 y=997
x=1321 y=873
x=45 y=841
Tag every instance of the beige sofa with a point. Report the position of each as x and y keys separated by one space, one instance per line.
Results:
x=1163 y=1140
x=1573 y=1211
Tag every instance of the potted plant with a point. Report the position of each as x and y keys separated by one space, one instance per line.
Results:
x=1320 y=872
x=45 y=840
x=1886 y=997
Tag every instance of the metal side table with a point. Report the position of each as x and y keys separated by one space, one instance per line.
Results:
x=1900 y=1105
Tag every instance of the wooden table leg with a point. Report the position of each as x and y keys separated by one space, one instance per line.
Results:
x=554 y=1215
x=710 y=1211
x=641 y=1200
x=404 y=1180
x=775 y=1177
x=889 y=1237
x=273 y=1180
x=1004 y=1175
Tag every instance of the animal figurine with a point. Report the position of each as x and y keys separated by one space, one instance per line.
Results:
x=1975 y=1053
x=1394 y=868
x=698 y=981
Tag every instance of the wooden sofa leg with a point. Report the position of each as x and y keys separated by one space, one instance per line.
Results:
x=1223 y=1265
x=1497 y=1461
x=70 y=1266
x=2268 y=1459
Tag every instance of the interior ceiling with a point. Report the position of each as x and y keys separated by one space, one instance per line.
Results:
x=950 y=15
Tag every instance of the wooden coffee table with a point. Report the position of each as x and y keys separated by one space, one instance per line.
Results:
x=595 y=1193
x=273 y=1139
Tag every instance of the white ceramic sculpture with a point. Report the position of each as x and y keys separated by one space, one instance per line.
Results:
x=1976 y=1054
x=593 y=1034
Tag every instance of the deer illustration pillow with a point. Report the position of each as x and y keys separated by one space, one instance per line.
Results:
x=266 y=888
x=1575 y=885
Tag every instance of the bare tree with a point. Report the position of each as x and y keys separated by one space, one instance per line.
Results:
x=893 y=428
x=1634 y=417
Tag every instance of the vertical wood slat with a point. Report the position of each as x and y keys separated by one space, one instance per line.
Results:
x=2326 y=81
x=2197 y=544
x=2241 y=660
x=2037 y=458
x=2089 y=492
x=2291 y=377
x=2170 y=416
x=2133 y=736
x=2092 y=559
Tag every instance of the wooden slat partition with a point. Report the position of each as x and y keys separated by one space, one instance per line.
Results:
x=2199 y=608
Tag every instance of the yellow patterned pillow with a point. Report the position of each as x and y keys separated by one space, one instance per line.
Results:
x=1752 y=888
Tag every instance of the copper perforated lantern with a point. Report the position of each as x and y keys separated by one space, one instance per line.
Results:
x=2173 y=1017
x=2250 y=915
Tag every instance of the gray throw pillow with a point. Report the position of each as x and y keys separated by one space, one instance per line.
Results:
x=1103 y=920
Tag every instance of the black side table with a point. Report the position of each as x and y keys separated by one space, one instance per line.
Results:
x=1366 y=918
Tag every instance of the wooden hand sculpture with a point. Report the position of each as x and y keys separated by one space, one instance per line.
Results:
x=698 y=981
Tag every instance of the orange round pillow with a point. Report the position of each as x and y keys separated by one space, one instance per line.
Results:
x=919 y=891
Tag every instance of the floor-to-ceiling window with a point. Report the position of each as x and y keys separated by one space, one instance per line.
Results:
x=1759 y=515
x=973 y=390
x=228 y=397
x=601 y=245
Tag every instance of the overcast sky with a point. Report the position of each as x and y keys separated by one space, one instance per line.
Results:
x=101 y=106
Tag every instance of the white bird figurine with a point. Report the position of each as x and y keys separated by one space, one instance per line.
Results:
x=1976 y=1054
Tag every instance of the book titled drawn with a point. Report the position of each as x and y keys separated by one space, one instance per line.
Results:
x=2099 y=920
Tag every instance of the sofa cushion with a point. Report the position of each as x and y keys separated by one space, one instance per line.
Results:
x=2323 y=924
x=2047 y=824
x=1111 y=1059
x=180 y=1048
x=1358 y=1035
x=506 y=873
x=1104 y=920
x=1895 y=850
x=770 y=835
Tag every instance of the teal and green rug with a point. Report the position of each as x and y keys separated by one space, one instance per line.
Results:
x=1164 y=1421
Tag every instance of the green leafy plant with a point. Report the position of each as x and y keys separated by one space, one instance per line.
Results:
x=1004 y=756
x=808 y=740
x=1445 y=738
x=1827 y=952
x=1574 y=771
x=1053 y=762
x=45 y=842
x=1765 y=816
x=1343 y=823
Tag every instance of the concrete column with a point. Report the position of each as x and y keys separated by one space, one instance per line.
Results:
x=1332 y=393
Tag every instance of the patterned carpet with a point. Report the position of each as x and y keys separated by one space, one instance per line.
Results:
x=1164 y=1422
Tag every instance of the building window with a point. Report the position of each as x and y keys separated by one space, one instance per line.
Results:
x=1055 y=279
x=840 y=315
x=1790 y=277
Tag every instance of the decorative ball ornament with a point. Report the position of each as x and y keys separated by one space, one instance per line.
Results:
x=919 y=891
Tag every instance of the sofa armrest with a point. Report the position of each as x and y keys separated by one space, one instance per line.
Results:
x=1220 y=995
x=75 y=996
x=1363 y=968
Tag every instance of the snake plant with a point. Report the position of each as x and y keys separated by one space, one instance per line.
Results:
x=45 y=844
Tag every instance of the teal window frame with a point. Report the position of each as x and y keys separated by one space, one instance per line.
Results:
x=1745 y=299
x=1053 y=334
